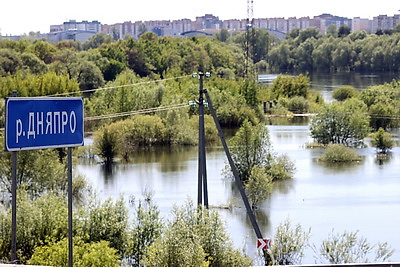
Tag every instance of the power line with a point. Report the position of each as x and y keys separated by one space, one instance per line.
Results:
x=135 y=112
x=118 y=86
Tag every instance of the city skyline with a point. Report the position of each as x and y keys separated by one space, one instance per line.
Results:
x=39 y=15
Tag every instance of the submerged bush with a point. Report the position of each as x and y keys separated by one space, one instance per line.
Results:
x=344 y=92
x=339 y=153
x=382 y=141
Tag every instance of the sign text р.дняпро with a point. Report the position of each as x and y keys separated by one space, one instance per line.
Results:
x=43 y=122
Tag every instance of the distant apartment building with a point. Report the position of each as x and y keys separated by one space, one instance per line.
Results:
x=384 y=22
x=83 y=30
x=208 y=21
x=73 y=30
x=90 y=26
x=232 y=25
x=322 y=22
x=359 y=24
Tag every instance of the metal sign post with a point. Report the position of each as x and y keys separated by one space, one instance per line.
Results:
x=39 y=123
x=14 y=207
x=70 y=234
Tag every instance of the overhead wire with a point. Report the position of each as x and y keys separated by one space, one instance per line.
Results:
x=135 y=112
x=128 y=113
x=118 y=86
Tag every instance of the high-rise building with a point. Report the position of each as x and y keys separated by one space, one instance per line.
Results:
x=359 y=24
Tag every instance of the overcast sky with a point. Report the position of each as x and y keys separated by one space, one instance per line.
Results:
x=22 y=16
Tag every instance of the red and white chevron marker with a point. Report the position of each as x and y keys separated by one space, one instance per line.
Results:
x=263 y=243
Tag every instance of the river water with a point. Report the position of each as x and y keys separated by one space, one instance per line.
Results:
x=363 y=197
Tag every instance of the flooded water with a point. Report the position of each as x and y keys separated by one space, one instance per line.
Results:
x=325 y=83
x=364 y=197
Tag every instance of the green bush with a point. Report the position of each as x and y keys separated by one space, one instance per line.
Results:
x=287 y=247
x=339 y=153
x=106 y=143
x=85 y=254
x=350 y=248
x=194 y=237
x=344 y=92
x=298 y=104
x=287 y=86
x=341 y=123
x=382 y=140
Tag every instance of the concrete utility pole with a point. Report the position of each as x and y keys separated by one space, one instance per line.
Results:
x=267 y=256
x=202 y=168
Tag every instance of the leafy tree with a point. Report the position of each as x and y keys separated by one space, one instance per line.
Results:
x=251 y=147
x=149 y=44
x=136 y=59
x=288 y=244
x=10 y=62
x=142 y=131
x=105 y=142
x=140 y=94
x=33 y=63
x=43 y=50
x=332 y=30
x=107 y=221
x=248 y=89
x=280 y=57
x=308 y=33
x=194 y=237
x=85 y=254
x=348 y=247
x=286 y=86
x=89 y=76
x=39 y=222
x=344 y=30
x=147 y=226
x=382 y=141
x=68 y=44
x=37 y=85
x=96 y=41
x=222 y=35
x=341 y=123
x=303 y=54
x=382 y=102
x=258 y=186
x=293 y=34
x=65 y=61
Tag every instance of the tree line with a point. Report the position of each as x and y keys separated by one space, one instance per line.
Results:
x=309 y=50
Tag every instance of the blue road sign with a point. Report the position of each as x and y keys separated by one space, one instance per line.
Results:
x=43 y=122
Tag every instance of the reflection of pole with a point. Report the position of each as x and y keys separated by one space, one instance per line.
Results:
x=70 y=240
x=236 y=175
x=202 y=169
x=14 y=202
x=14 y=207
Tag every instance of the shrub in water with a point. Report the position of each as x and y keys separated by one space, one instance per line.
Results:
x=339 y=153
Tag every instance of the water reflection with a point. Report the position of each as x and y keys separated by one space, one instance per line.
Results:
x=325 y=83
x=383 y=158
x=341 y=167
x=108 y=172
